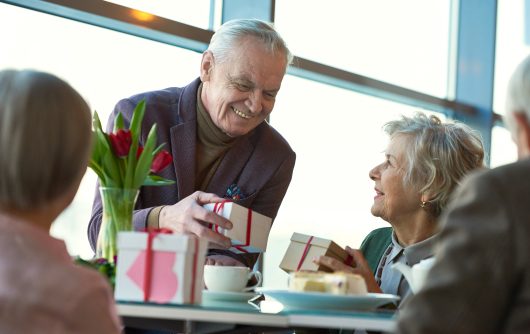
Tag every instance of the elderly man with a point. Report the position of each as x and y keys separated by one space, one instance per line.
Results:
x=480 y=282
x=221 y=145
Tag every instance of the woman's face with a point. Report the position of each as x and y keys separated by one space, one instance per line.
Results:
x=393 y=201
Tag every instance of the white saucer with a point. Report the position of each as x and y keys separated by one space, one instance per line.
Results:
x=227 y=296
x=319 y=300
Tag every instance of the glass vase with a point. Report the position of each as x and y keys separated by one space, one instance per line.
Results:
x=118 y=206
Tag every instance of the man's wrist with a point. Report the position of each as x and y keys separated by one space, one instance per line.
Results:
x=153 y=219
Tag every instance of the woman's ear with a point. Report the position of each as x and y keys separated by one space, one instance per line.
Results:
x=207 y=63
x=522 y=135
x=425 y=199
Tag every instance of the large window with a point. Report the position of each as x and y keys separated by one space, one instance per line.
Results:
x=195 y=13
x=103 y=65
x=400 y=42
x=336 y=133
x=511 y=49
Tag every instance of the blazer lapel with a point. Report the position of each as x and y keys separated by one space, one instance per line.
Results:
x=183 y=145
x=229 y=169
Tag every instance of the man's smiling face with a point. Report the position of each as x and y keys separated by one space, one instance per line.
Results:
x=240 y=93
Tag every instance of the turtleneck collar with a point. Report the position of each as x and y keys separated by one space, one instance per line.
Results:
x=208 y=133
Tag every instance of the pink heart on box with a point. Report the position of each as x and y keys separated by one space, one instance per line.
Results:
x=164 y=282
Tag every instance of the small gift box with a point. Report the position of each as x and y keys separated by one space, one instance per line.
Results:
x=160 y=267
x=303 y=248
x=250 y=230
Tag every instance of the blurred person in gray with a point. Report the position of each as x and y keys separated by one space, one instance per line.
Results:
x=480 y=282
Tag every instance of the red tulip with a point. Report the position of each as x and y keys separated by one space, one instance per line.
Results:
x=161 y=161
x=139 y=152
x=121 y=142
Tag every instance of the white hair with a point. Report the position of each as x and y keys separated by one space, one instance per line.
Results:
x=230 y=33
x=439 y=155
x=518 y=95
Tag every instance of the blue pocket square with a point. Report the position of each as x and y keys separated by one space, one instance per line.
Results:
x=234 y=192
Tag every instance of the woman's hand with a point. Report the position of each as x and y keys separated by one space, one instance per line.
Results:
x=189 y=217
x=360 y=267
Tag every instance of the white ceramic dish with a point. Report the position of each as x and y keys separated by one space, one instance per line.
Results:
x=227 y=296
x=318 y=300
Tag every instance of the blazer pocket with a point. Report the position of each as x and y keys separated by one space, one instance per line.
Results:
x=247 y=201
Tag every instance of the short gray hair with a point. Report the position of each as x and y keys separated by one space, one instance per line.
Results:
x=439 y=155
x=45 y=138
x=230 y=33
x=518 y=95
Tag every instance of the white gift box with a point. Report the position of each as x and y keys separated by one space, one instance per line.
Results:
x=250 y=230
x=171 y=272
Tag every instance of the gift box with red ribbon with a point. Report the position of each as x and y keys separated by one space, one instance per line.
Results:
x=250 y=230
x=160 y=267
x=303 y=248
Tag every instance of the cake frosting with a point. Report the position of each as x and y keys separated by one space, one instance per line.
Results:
x=338 y=283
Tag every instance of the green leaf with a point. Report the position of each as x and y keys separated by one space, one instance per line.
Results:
x=156 y=180
x=110 y=165
x=118 y=123
x=96 y=123
x=145 y=160
x=135 y=128
x=158 y=149
x=99 y=172
x=137 y=118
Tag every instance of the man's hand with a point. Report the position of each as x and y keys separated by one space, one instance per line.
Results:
x=360 y=266
x=222 y=260
x=189 y=217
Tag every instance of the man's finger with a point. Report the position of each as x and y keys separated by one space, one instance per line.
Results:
x=204 y=232
x=205 y=198
x=329 y=262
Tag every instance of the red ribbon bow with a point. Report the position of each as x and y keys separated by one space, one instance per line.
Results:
x=348 y=261
x=219 y=207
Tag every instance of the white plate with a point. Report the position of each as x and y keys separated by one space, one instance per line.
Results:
x=227 y=296
x=319 y=300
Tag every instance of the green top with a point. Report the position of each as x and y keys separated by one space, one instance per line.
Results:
x=375 y=244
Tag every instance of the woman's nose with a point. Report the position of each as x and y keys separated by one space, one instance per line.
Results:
x=374 y=173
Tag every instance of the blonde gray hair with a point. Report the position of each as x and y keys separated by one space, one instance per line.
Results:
x=227 y=37
x=45 y=138
x=518 y=95
x=439 y=155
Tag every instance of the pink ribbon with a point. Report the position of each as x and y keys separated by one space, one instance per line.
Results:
x=151 y=234
x=304 y=254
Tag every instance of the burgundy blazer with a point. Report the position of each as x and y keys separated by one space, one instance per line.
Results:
x=260 y=163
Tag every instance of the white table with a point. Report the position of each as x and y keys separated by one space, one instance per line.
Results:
x=226 y=316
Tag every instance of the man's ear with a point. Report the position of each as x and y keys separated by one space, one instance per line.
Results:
x=522 y=135
x=207 y=63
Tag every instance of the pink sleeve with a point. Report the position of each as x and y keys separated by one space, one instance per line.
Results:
x=94 y=311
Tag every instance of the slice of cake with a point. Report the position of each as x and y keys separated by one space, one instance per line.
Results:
x=339 y=283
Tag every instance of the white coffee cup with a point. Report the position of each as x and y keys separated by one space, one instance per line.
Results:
x=229 y=278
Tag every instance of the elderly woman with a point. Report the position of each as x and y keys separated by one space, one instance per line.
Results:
x=424 y=161
x=45 y=135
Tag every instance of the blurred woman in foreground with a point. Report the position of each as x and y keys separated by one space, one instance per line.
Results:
x=45 y=140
